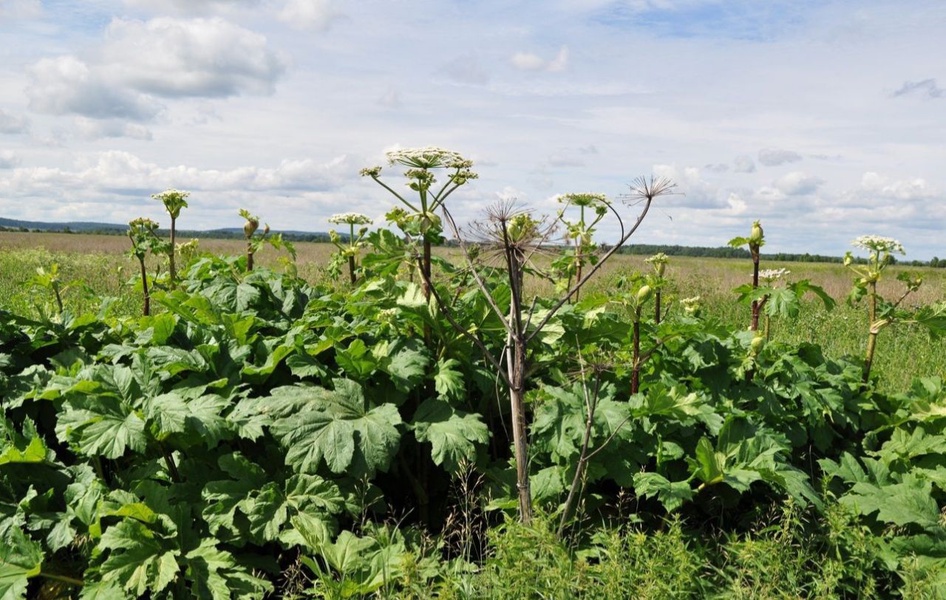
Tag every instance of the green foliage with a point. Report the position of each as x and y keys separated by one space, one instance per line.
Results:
x=249 y=436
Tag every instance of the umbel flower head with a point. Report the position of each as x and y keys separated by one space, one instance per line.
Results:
x=350 y=218
x=429 y=157
x=771 y=275
x=876 y=243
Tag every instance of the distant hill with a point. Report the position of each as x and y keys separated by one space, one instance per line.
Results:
x=115 y=229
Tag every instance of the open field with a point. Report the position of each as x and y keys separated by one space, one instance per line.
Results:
x=98 y=265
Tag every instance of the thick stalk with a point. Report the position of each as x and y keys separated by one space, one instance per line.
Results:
x=756 y=307
x=657 y=307
x=426 y=275
x=636 y=353
x=515 y=365
x=351 y=269
x=144 y=286
x=249 y=256
x=874 y=330
x=583 y=456
x=172 y=267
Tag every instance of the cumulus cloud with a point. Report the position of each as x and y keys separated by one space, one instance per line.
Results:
x=717 y=167
x=67 y=85
x=126 y=174
x=771 y=157
x=140 y=62
x=316 y=15
x=526 y=61
x=695 y=191
x=895 y=189
x=926 y=87
x=743 y=164
x=797 y=183
x=196 y=57
x=13 y=124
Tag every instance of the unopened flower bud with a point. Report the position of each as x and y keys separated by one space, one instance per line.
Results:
x=755 y=237
x=250 y=227
x=644 y=294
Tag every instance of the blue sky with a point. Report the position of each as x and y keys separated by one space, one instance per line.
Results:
x=825 y=120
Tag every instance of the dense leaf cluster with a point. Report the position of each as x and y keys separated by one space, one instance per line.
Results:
x=251 y=435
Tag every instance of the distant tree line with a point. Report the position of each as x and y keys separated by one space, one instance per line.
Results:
x=631 y=249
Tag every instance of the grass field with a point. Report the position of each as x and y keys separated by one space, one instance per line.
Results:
x=92 y=266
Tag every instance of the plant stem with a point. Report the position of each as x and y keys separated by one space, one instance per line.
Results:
x=636 y=352
x=171 y=263
x=63 y=579
x=144 y=286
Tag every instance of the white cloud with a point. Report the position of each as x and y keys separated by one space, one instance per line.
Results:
x=797 y=183
x=771 y=157
x=317 y=15
x=526 y=61
x=94 y=129
x=899 y=189
x=8 y=159
x=197 y=57
x=67 y=85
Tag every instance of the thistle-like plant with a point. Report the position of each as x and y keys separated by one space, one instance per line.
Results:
x=173 y=201
x=418 y=218
x=348 y=248
x=579 y=234
x=144 y=238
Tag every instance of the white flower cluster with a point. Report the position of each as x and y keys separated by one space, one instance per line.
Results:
x=350 y=218
x=586 y=199
x=878 y=243
x=171 y=193
x=428 y=157
x=773 y=274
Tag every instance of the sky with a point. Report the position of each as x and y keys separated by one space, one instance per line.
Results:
x=823 y=119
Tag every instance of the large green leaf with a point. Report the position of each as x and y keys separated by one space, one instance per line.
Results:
x=137 y=560
x=101 y=425
x=339 y=429
x=20 y=559
x=453 y=434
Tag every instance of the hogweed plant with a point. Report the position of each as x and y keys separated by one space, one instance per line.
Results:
x=880 y=312
x=657 y=282
x=579 y=235
x=348 y=249
x=518 y=235
x=144 y=238
x=49 y=280
x=174 y=201
x=755 y=241
x=418 y=218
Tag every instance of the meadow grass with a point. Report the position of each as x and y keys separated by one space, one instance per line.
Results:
x=98 y=265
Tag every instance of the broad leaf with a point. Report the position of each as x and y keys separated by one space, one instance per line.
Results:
x=453 y=434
